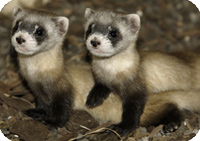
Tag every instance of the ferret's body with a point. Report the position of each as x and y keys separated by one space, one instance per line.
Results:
x=118 y=66
x=158 y=104
x=37 y=37
x=167 y=72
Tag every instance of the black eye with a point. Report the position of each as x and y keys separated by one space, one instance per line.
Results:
x=113 y=33
x=39 y=31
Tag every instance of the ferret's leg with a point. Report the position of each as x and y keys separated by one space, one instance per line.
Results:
x=97 y=95
x=158 y=110
x=172 y=119
x=133 y=106
x=41 y=109
x=53 y=105
x=60 y=109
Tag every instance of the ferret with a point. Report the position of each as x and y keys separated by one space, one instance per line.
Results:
x=37 y=37
x=111 y=38
x=118 y=67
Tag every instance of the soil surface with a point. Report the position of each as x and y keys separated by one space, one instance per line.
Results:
x=167 y=26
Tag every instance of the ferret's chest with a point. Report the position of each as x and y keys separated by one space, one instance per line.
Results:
x=108 y=71
x=31 y=68
x=38 y=69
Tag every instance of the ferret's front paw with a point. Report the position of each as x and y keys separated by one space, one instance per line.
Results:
x=94 y=100
x=58 y=113
x=97 y=95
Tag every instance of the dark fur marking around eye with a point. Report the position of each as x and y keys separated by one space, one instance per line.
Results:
x=15 y=28
x=114 y=36
x=89 y=30
x=112 y=33
x=40 y=35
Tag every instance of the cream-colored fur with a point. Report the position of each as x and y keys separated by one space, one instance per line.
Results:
x=157 y=104
x=82 y=81
x=162 y=72
x=188 y=99
x=111 y=110
x=159 y=72
x=173 y=79
x=117 y=65
x=36 y=67
x=168 y=79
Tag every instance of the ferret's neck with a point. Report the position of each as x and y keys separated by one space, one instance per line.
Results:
x=43 y=64
x=120 y=66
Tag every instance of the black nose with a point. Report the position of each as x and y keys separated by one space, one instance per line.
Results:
x=95 y=43
x=20 y=40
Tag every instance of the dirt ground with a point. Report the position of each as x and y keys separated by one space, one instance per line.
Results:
x=167 y=26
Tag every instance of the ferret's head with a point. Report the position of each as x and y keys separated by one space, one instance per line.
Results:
x=108 y=33
x=36 y=31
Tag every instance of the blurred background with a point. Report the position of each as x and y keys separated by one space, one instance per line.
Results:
x=167 y=26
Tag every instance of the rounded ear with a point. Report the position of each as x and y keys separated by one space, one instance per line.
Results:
x=134 y=20
x=16 y=11
x=62 y=23
x=88 y=12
